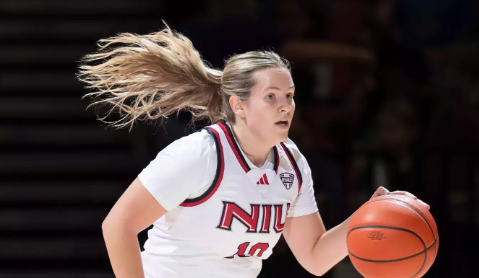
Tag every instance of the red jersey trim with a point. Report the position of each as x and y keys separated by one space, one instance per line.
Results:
x=220 y=169
x=234 y=146
x=236 y=150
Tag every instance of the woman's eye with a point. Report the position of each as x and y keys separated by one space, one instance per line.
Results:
x=270 y=96
x=290 y=95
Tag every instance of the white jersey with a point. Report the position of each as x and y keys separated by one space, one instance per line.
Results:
x=225 y=215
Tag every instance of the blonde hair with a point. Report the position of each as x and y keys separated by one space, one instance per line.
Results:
x=158 y=74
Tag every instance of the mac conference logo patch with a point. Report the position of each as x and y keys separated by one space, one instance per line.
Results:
x=287 y=179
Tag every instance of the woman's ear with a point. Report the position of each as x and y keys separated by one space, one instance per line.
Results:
x=237 y=105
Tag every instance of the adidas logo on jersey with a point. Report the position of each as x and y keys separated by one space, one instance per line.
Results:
x=263 y=180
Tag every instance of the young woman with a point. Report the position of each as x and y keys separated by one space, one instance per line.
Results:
x=219 y=198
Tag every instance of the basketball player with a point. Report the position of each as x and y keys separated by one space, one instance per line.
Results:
x=219 y=198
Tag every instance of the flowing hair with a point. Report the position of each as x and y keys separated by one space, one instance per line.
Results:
x=158 y=74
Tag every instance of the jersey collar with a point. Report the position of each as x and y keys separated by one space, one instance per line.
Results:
x=242 y=159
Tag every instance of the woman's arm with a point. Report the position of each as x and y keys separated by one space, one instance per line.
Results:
x=135 y=211
x=316 y=249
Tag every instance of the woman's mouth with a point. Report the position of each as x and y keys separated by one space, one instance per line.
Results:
x=282 y=124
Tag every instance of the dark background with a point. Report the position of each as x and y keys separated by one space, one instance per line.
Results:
x=387 y=95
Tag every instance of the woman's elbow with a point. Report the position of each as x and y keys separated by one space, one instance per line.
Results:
x=317 y=272
x=112 y=225
x=314 y=268
x=107 y=226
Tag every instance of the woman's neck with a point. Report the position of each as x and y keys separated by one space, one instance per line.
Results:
x=256 y=152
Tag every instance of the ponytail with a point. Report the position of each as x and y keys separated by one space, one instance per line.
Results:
x=152 y=76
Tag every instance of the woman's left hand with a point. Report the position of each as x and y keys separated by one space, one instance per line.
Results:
x=383 y=191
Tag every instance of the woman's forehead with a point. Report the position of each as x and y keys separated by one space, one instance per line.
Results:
x=278 y=78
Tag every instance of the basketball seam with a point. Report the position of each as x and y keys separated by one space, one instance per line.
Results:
x=418 y=212
x=396 y=260
x=401 y=202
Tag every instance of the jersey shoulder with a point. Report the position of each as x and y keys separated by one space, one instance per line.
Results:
x=297 y=155
x=293 y=148
x=197 y=145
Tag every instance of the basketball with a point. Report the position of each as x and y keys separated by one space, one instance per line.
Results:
x=392 y=236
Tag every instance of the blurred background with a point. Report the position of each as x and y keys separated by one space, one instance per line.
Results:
x=387 y=95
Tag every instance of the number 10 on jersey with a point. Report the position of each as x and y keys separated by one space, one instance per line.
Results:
x=243 y=250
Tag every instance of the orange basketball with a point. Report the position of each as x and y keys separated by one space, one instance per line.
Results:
x=392 y=236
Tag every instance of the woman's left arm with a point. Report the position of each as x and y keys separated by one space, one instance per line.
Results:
x=316 y=249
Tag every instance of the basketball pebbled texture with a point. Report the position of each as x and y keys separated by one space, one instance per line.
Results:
x=392 y=236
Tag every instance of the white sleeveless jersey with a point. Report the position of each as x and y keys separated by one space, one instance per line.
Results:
x=236 y=222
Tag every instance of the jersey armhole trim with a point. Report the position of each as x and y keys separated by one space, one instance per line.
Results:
x=234 y=146
x=295 y=166
x=276 y=159
x=218 y=176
